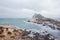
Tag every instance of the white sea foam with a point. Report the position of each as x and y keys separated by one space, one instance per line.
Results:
x=43 y=29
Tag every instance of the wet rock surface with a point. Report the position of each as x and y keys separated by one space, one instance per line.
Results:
x=9 y=33
x=47 y=24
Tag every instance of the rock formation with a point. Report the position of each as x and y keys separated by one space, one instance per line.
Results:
x=9 y=33
x=39 y=19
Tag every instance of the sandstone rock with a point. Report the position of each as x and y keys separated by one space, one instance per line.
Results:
x=19 y=34
x=2 y=35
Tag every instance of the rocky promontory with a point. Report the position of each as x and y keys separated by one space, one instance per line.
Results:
x=39 y=19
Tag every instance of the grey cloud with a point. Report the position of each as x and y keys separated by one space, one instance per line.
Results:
x=17 y=7
x=18 y=4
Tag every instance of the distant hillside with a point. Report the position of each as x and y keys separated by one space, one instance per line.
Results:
x=39 y=16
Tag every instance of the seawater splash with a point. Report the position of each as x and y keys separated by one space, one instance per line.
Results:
x=55 y=33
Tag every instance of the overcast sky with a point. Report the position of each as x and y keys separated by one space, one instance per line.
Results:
x=26 y=8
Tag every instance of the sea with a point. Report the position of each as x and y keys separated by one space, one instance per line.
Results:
x=29 y=26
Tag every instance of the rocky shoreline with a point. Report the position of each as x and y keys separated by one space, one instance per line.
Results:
x=51 y=23
x=39 y=19
x=9 y=33
x=54 y=24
